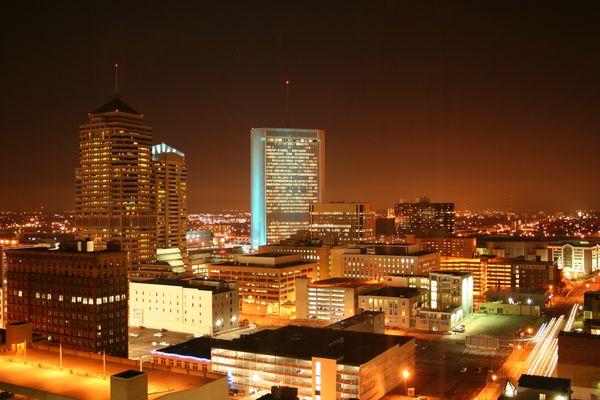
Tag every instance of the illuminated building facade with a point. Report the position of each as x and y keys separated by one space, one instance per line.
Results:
x=195 y=306
x=115 y=192
x=450 y=301
x=75 y=296
x=308 y=251
x=375 y=262
x=505 y=273
x=400 y=304
x=576 y=258
x=322 y=363
x=332 y=299
x=171 y=196
x=287 y=176
x=421 y=217
x=266 y=281
x=342 y=222
x=475 y=266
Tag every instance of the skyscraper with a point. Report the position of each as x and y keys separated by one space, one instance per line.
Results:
x=115 y=192
x=421 y=217
x=171 y=196
x=287 y=176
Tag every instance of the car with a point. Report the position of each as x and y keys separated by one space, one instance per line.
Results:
x=158 y=334
x=459 y=329
x=478 y=370
x=133 y=334
x=164 y=343
x=463 y=369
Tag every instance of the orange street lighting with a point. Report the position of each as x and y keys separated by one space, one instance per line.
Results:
x=494 y=377
x=405 y=375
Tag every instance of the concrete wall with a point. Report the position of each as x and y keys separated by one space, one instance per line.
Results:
x=383 y=373
x=216 y=390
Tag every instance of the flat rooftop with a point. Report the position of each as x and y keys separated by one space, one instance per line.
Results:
x=196 y=348
x=83 y=377
x=267 y=266
x=199 y=284
x=342 y=282
x=355 y=319
x=545 y=383
x=394 y=291
x=302 y=342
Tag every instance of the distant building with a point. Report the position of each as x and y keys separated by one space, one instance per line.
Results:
x=510 y=247
x=171 y=196
x=74 y=296
x=579 y=361
x=421 y=217
x=322 y=363
x=330 y=299
x=287 y=176
x=385 y=228
x=375 y=262
x=266 y=281
x=342 y=222
x=419 y=281
x=447 y=246
x=115 y=196
x=576 y=258
x=311 y=251
x=400 y=304
x=195 y=306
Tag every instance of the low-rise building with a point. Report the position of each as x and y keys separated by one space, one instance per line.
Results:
x=420 y=281
x=367 y=321
x=309 y=250
x=196 y=306
x=535 y=387
x=266 y=281
x=332 y=299
x=450 y=301
x=400 y=304
x=325 y=364
x=375 y=262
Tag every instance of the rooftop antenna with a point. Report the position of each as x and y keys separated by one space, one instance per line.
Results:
x=116 y=92
x=287 y=103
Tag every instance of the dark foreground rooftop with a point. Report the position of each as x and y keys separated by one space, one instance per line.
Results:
x=545 y=383
x=349 y=348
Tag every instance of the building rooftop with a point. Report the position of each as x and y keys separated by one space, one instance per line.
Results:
x=355 y=319
x=453 y=273
x=545 y=383
x=342 y=282
x=394 y=291
x=115 y=105
x=269 y=266
x=195 y=348
x=82 y=377
x=199 y=284
x=349 y=348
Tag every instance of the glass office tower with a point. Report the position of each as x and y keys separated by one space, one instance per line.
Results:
x=287 y=176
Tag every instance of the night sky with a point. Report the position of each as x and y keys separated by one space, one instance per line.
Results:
x=464 y=102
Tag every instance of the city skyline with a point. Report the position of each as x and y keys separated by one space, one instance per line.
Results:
x=466 y=112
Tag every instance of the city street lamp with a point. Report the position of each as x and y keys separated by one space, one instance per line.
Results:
x=405 y=375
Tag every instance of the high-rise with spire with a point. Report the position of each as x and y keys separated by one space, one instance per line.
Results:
x=115 y=190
